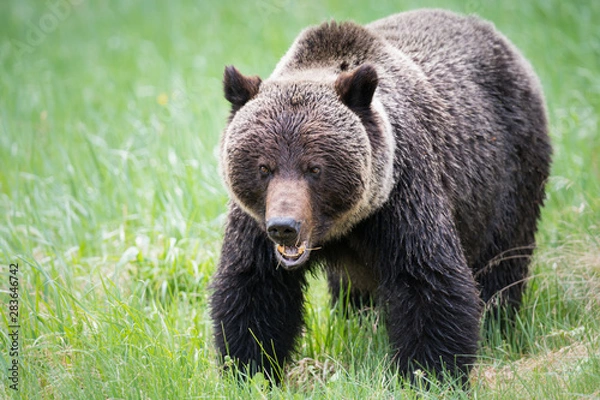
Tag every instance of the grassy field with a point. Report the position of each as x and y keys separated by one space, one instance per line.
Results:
x=113 y=209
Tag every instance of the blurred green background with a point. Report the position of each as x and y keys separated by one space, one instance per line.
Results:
x=110 y=116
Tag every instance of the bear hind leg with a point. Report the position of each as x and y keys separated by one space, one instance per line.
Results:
x=345 y=295
x=351 y=284
x=502 y=275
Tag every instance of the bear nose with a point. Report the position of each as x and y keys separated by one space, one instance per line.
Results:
x=283 y=230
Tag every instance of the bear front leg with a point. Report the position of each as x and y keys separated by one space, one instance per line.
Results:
x=433 y=323
x=256 y=306
x=426 y=288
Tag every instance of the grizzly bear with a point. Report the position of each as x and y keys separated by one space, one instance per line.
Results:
x=407 y=158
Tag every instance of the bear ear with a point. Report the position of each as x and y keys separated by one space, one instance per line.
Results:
x=239 y=89
x=356 y=88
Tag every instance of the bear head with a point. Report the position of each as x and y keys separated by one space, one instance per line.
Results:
x=306 y=158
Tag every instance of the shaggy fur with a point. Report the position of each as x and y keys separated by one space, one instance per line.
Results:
x=408 y=157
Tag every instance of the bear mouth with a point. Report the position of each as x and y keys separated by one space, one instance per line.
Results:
x=292 y=257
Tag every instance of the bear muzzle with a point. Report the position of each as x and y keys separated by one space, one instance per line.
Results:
x=290 y=250
x=288 y=221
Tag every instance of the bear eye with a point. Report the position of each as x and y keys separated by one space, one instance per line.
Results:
x=264 y=170
x=314 y=171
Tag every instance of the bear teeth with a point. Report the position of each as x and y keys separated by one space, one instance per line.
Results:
x=291 y=251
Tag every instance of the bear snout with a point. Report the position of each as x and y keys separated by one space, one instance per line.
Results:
x=283 y=230
x=288 y=221
x=288 y=211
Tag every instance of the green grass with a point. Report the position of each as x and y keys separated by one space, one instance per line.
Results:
x=113 y=206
